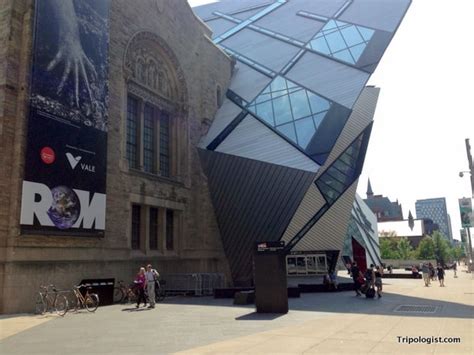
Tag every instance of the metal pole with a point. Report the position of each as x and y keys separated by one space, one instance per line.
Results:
x=471 y=169
x=469 y=245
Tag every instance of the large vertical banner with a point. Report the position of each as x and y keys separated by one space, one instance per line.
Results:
x=66 y=157
x=465 y=209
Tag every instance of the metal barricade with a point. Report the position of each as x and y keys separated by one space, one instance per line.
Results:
x=198 y=284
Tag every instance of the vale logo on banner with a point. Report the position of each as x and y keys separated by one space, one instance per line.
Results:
x=73 y=161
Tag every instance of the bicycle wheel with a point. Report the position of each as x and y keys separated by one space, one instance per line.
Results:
x=92 y=302
x=118 y=295
x=40 y=305
x=61 y=305
x=159 y=294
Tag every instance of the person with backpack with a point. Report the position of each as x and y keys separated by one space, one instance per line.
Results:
x=378 y=281
x=369 y=276
x=356 y=274
x=151 y=276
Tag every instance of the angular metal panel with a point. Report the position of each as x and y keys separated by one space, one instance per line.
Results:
x=379 y=14
x=247 y=82
x=330 y=230
x=253 y=201
x=329 y=78
x=312 y=202
x=362 y=115
x=225 y=115
x=252 y=139
x=227 y=7
x=219 y=26
x=285 y=21
x=270 y=52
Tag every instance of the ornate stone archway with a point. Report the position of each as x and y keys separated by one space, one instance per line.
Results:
x=152 y=70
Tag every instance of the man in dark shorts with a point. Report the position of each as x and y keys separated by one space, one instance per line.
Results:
x=355 y=272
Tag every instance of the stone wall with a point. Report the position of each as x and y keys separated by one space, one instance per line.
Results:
x=26 y=261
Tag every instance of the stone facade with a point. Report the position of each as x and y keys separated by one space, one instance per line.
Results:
x=187 y=72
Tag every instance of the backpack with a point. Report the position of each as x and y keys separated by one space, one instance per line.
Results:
x=370 y=293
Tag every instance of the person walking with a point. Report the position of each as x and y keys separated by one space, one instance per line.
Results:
x=425 y=270
x=414 y=271
x=432 y=271
x=151 y=276
x=356 y=274
x=440 y=271
x=378 y=280
x=140 y=282
x=455 y=268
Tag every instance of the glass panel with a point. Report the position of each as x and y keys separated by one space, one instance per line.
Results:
x=263 y=98
x=149 y=139
x=132 y=132
x=164 y=144
x=311 y=264
x=282 y=110
x=291 y=265
x=320 y=45
x=352 y=36
x=366 y=33
x=265 y=111
x=345 y=56
x=288 y=130
x=304 y=131
x=335 y=41
x=322 y=265
x=357 y=51
x=336 y=174
x=318 y=119
x=278 y=86
x=330 y=25
x=301 y=265
x=332 y=183
x=318 y=104
x=300 y=104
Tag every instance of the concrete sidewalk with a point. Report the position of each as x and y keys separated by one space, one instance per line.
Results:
x=321 y=323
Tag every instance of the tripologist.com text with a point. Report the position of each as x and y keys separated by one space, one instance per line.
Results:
x=428 y=340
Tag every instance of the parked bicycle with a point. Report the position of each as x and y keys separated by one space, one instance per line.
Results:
x=50 y=299
x=89 y=301
x=123 y=293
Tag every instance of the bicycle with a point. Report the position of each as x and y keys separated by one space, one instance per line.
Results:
x=89 y=301
x=160 y=292
x=124 y=293
x=45 y=301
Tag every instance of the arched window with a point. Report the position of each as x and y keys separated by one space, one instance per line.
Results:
x=156 y=92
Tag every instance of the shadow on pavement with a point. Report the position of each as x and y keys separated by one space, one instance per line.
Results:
x=345 y=302
x=259 y=316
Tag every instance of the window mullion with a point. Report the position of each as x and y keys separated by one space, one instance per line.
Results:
x=141 y=127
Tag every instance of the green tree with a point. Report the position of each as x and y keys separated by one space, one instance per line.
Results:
x=388 y=247
x=426 y=249
x=457 y=253
x=404 y=249
x=441 y=247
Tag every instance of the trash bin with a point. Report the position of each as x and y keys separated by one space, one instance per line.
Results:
x=103 y=287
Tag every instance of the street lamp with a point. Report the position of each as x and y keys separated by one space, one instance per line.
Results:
x=461 y=174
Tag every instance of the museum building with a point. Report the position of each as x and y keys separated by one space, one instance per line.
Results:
x=144 y=132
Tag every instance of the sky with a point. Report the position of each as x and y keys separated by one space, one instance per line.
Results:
x=417 y=147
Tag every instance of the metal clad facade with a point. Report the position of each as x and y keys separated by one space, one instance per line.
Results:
x=284 y=20
x=253 y=201
x=312 y=202
x=252 y=139
x=329 y=232
x=362 y=115
x=246 y=82
x=334 y=80
x=219 y=26
x=224 y=116
x=270 y=52
x=379 y=14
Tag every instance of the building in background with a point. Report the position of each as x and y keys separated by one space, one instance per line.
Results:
x=362 y=238
x=414 y=231
x=179 y=146
x=384 y=209
x=435 y=209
